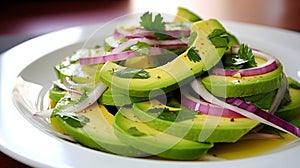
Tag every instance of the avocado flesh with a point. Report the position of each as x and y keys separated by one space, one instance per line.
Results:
x=98 y=133
x=118 y=99
x=166 y=77
x=155 y=142
x=203 y=128
x=185 y=15
x=292 y=109
x=228 y=86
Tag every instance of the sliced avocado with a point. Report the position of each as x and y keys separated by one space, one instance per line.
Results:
x=185 y=15
x=139 y=135
x=229 y=86
x=292 y=109
x=203 y=128
x=167 y=77
x=55 y=93
x=114 y=98
x=97 y=132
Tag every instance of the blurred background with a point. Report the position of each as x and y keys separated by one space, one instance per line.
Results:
x=29 y=18
x=23 y=20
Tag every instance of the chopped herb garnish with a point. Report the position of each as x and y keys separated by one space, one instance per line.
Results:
x=75 y=120
x=135 y=132
x=157 y=25
x=131 y=73
x=193 y=54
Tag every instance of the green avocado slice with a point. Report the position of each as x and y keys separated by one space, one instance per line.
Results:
x=98 y=132
x=114 y=98
x=228 y=86
x=185 y=15
x=168 y=76
x=203 y=128
x=139 y=135
x=292 y=109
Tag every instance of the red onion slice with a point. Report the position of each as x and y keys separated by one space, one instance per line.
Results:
x=142 y=33
x=117 y=56
x=203 y=107
x=155 y=43
x=247 y=110
x=269 y=66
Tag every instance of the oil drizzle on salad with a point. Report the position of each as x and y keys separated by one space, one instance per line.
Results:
x=249 y=148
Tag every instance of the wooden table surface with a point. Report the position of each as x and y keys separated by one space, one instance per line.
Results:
x=40 y=17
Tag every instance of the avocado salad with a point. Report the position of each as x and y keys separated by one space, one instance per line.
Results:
x=172 y=90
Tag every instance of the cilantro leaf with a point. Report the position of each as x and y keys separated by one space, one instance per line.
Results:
x=193 y=54
x=131 y=73
x=156 y=25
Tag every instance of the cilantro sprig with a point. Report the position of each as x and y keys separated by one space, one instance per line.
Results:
x=152 y=25
x=246 y=54
x=242 y=60
x=157 y=25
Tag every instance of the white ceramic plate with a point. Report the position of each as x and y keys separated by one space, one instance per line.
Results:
x=30 y=141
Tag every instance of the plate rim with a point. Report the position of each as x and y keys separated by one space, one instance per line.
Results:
x=32 y=162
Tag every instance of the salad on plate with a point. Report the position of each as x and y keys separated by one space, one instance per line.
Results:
x=185 y=89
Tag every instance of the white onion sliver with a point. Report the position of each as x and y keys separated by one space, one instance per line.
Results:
x=276 y=122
